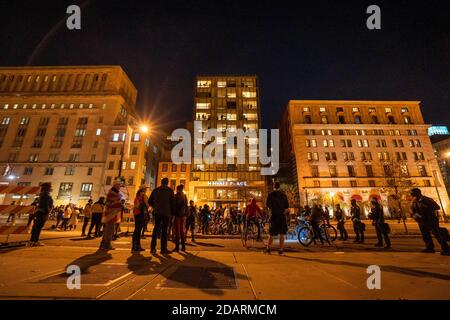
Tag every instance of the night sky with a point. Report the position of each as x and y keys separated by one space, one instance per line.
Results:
x=299 y=49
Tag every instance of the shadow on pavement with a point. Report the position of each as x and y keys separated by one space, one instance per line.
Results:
x=196 y=272
x=389 y=268
x=87 y=261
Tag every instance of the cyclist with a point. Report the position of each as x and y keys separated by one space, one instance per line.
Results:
x=252 y=215
x=315 y=219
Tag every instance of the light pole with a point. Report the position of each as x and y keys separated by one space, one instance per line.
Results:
x=434 y=173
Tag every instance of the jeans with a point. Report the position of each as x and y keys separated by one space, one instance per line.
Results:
x=382 y=233
x=138 y=227
x=96 y=222
x=179 y=224
x=432 y=227
x=108 y=234
x=85 y=224
x=39 y=222
x=190 y=225
x=359 y=232
x=161 y=227
x=343 y=233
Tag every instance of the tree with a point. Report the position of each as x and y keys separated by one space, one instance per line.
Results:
x=397 y=184
x=291 y=194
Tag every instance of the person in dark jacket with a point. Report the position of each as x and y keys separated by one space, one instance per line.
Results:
x=205 y=216
x=190 y=219
x=424 y=211
x=45 y=204
x=340 y=218
x=96 y=217
x=278 y=204
x=162 y=201
x=381 y=228
x=181 y=207
x=358 y=227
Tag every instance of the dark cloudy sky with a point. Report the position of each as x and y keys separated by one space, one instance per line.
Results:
x=299 y=49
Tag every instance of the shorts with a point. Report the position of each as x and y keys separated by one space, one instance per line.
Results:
x=278 y=225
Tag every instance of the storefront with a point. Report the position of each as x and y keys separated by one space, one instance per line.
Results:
x=227 y=193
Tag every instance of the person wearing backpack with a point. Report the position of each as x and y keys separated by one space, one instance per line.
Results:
x=382 y=229
x=340 y=218
x=424 y=211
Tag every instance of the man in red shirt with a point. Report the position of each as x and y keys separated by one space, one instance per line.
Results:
x=252 y=214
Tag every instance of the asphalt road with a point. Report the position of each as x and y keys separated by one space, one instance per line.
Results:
x=216 y=268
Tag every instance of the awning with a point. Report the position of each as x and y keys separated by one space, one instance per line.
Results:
x=356 y=197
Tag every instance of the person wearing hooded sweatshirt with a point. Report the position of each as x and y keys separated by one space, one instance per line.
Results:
x=180 y=212
x=45 y=204
x=252 y=215
x=111 y=214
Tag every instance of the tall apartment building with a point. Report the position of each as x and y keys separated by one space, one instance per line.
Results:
x=358 y=150
x=227 y=103
x=441 y=146
x=68 y=125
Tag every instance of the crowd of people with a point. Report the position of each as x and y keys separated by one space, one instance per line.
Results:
x=174 y=217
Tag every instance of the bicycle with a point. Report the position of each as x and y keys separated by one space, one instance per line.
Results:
x=250 y=233
x=306 y=234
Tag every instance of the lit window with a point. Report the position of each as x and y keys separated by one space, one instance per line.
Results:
x=203 y=105
x=306 y=109
x=388 y=110
x=355 y=109
x=98 y=132
x=6 y=120
x=115 y=137
x=404 y=110
x=323 y=109
x=204 y=83
x=133 y=165
x=136 y=136
x=221 y=84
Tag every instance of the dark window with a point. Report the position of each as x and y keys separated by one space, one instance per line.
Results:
x=369 y=171
x=165 y=167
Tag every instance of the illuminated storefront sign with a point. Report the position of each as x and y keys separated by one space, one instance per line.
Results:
x=227 y=183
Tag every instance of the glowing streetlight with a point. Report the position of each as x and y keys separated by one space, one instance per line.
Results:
x=144 y=128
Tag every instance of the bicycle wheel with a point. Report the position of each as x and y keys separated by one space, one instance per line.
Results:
x=332 y=233
x=305 y=236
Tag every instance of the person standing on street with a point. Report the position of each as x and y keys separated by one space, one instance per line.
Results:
x=358 y=226
x=162 y=201
x=97 y=212
x=190 y=220
x=87 y=217
x=278 y=203
x=139 y=211
x=111 y=214
x=45 y=204
x=74 y=217
x=67 y=217
x=340 y=218
x=424 y=211
x=205 y=217
x=31 y=215
x=181 y=209
x=381 y=228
